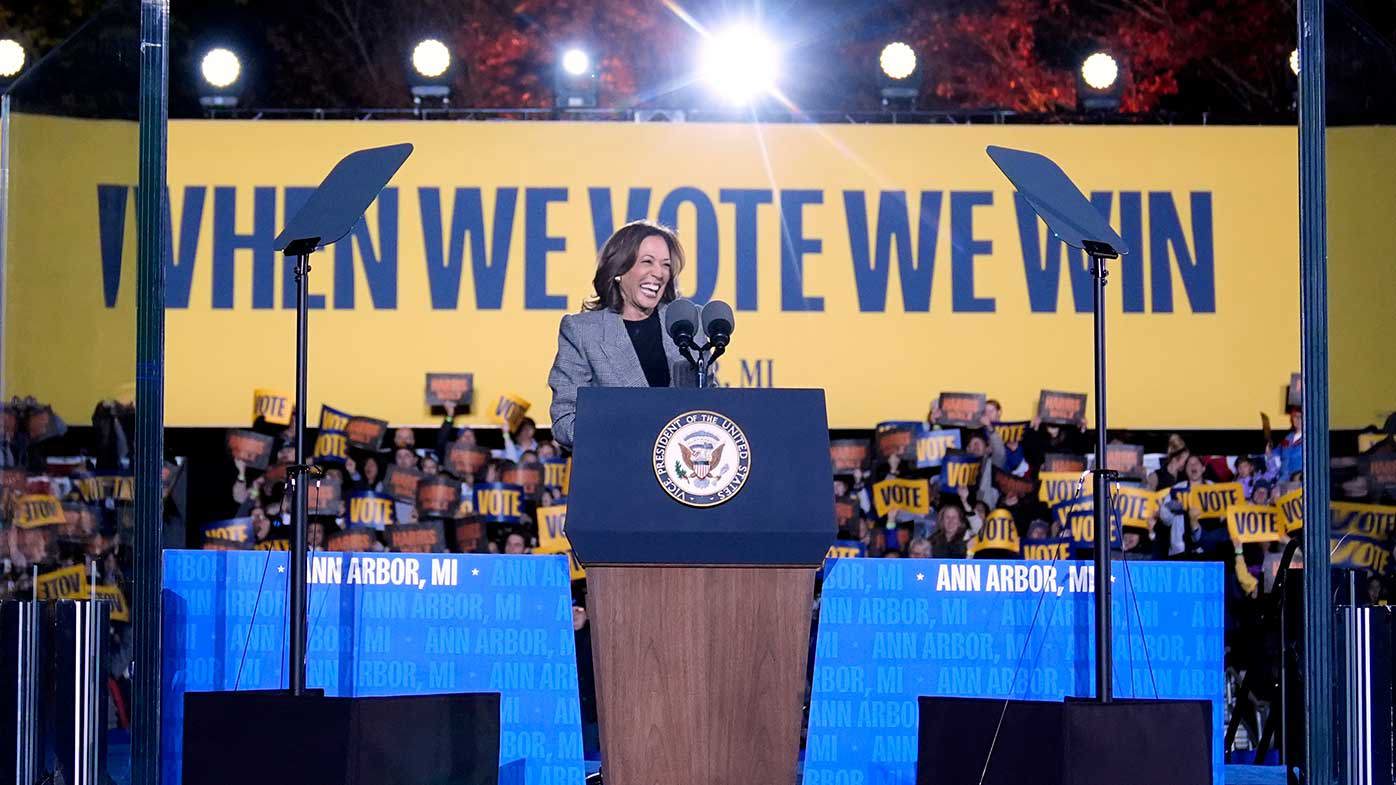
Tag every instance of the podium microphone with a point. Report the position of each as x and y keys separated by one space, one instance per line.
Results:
x=681 y=322
x=718 y=323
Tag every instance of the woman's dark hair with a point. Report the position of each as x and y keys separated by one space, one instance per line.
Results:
x=618 y=256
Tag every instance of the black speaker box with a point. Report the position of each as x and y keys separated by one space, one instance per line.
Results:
x=273 y=738
x=1076 y=742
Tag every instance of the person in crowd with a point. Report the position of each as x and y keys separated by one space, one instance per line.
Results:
x=431 y=464
x=950 y=539
x=369 y=478
x=1288 y=457
x=920 y=548
x=519 y=441
x=405 y=458
x=514 y=543
x=404 y=439
x=1172 y=468
x=618 y=339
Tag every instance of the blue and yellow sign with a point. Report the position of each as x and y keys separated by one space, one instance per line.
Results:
x=897 y=232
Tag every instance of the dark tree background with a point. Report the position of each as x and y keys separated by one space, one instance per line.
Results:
x=1179 y=57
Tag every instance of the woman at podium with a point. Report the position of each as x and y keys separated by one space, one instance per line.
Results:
x=618 y=338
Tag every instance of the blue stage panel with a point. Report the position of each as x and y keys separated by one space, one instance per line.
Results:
x=894 y=629
x=384 y=624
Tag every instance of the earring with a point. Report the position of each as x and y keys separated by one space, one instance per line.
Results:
x=617 y=278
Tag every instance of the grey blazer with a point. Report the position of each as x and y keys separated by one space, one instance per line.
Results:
x=594 y=350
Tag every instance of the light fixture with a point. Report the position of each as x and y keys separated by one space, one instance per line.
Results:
x=1100 y=71
x=740 y=64
x=1099 y=83
x=11 y=58
x=1294 y=62
x=221 y=72
x=429 y=71
x=897 y=60
x=575 y=83
x=431 y=58
x=899 y=82
x=576 y=62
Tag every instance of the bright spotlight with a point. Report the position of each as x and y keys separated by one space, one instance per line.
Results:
x=1294 y=62
x=576 y=62
x=1100 y=71
x=740 y=63
x=220 y=67
x=897 y=60
x=431 y=58
x=11 y=58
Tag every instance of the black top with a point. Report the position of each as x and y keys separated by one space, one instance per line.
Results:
x=647 y=336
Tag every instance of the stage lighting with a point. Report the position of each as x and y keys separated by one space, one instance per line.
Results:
x=11 y=58
x=1100 y=71
x=899 y=81
x=740 y=64
x=575 y=82
x=576 y=62
x=897 y=60
x=221 y=71
x=429 y=71
x=1294 y=62
x=1098 y=83
x=431 y=58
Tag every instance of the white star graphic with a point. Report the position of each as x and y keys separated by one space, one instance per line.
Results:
x=920 y=576
x=281 y=569
x=475 y=571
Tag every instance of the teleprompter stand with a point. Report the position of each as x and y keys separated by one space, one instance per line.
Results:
x=328 y=215
x=299 y=736
x=1075 y=742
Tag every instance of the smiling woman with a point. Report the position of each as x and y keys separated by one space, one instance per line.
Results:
x=618 y=339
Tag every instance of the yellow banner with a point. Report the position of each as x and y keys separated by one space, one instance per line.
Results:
x=62 y=583
x=1057 y=487
x=912 y=496
x=120 y=609
x=1047 y=550
x=35 y=510
x=999 y=533
x=272 y=405
x=1212 y=501
x=552 y=529
x=331 y=446
x=1373 y=521
x=509 y=410
x=1011 y=432
x=1291 y=510
x=371 y=509
x=897 y=230
x=932 y=446
x=552 y=537
x=1136 y=506
x=1253 y=523
x=844 y=551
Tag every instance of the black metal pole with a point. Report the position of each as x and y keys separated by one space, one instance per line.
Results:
x=1104 y=656
x=296 y=611
x=1313 y=331
x=150 y=392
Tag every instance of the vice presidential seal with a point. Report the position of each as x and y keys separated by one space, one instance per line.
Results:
x=701 y=458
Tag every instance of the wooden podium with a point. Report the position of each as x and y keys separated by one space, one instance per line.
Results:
x=700 y=614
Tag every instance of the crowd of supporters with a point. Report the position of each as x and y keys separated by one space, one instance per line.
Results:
x=503 y=490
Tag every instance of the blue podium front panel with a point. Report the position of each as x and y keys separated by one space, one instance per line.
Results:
x=383 y=624
x=891 y=630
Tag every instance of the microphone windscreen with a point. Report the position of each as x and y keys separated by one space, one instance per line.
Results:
x=717 y=318
x=681 y=317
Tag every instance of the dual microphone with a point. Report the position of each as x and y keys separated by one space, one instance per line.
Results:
x=681 y=321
